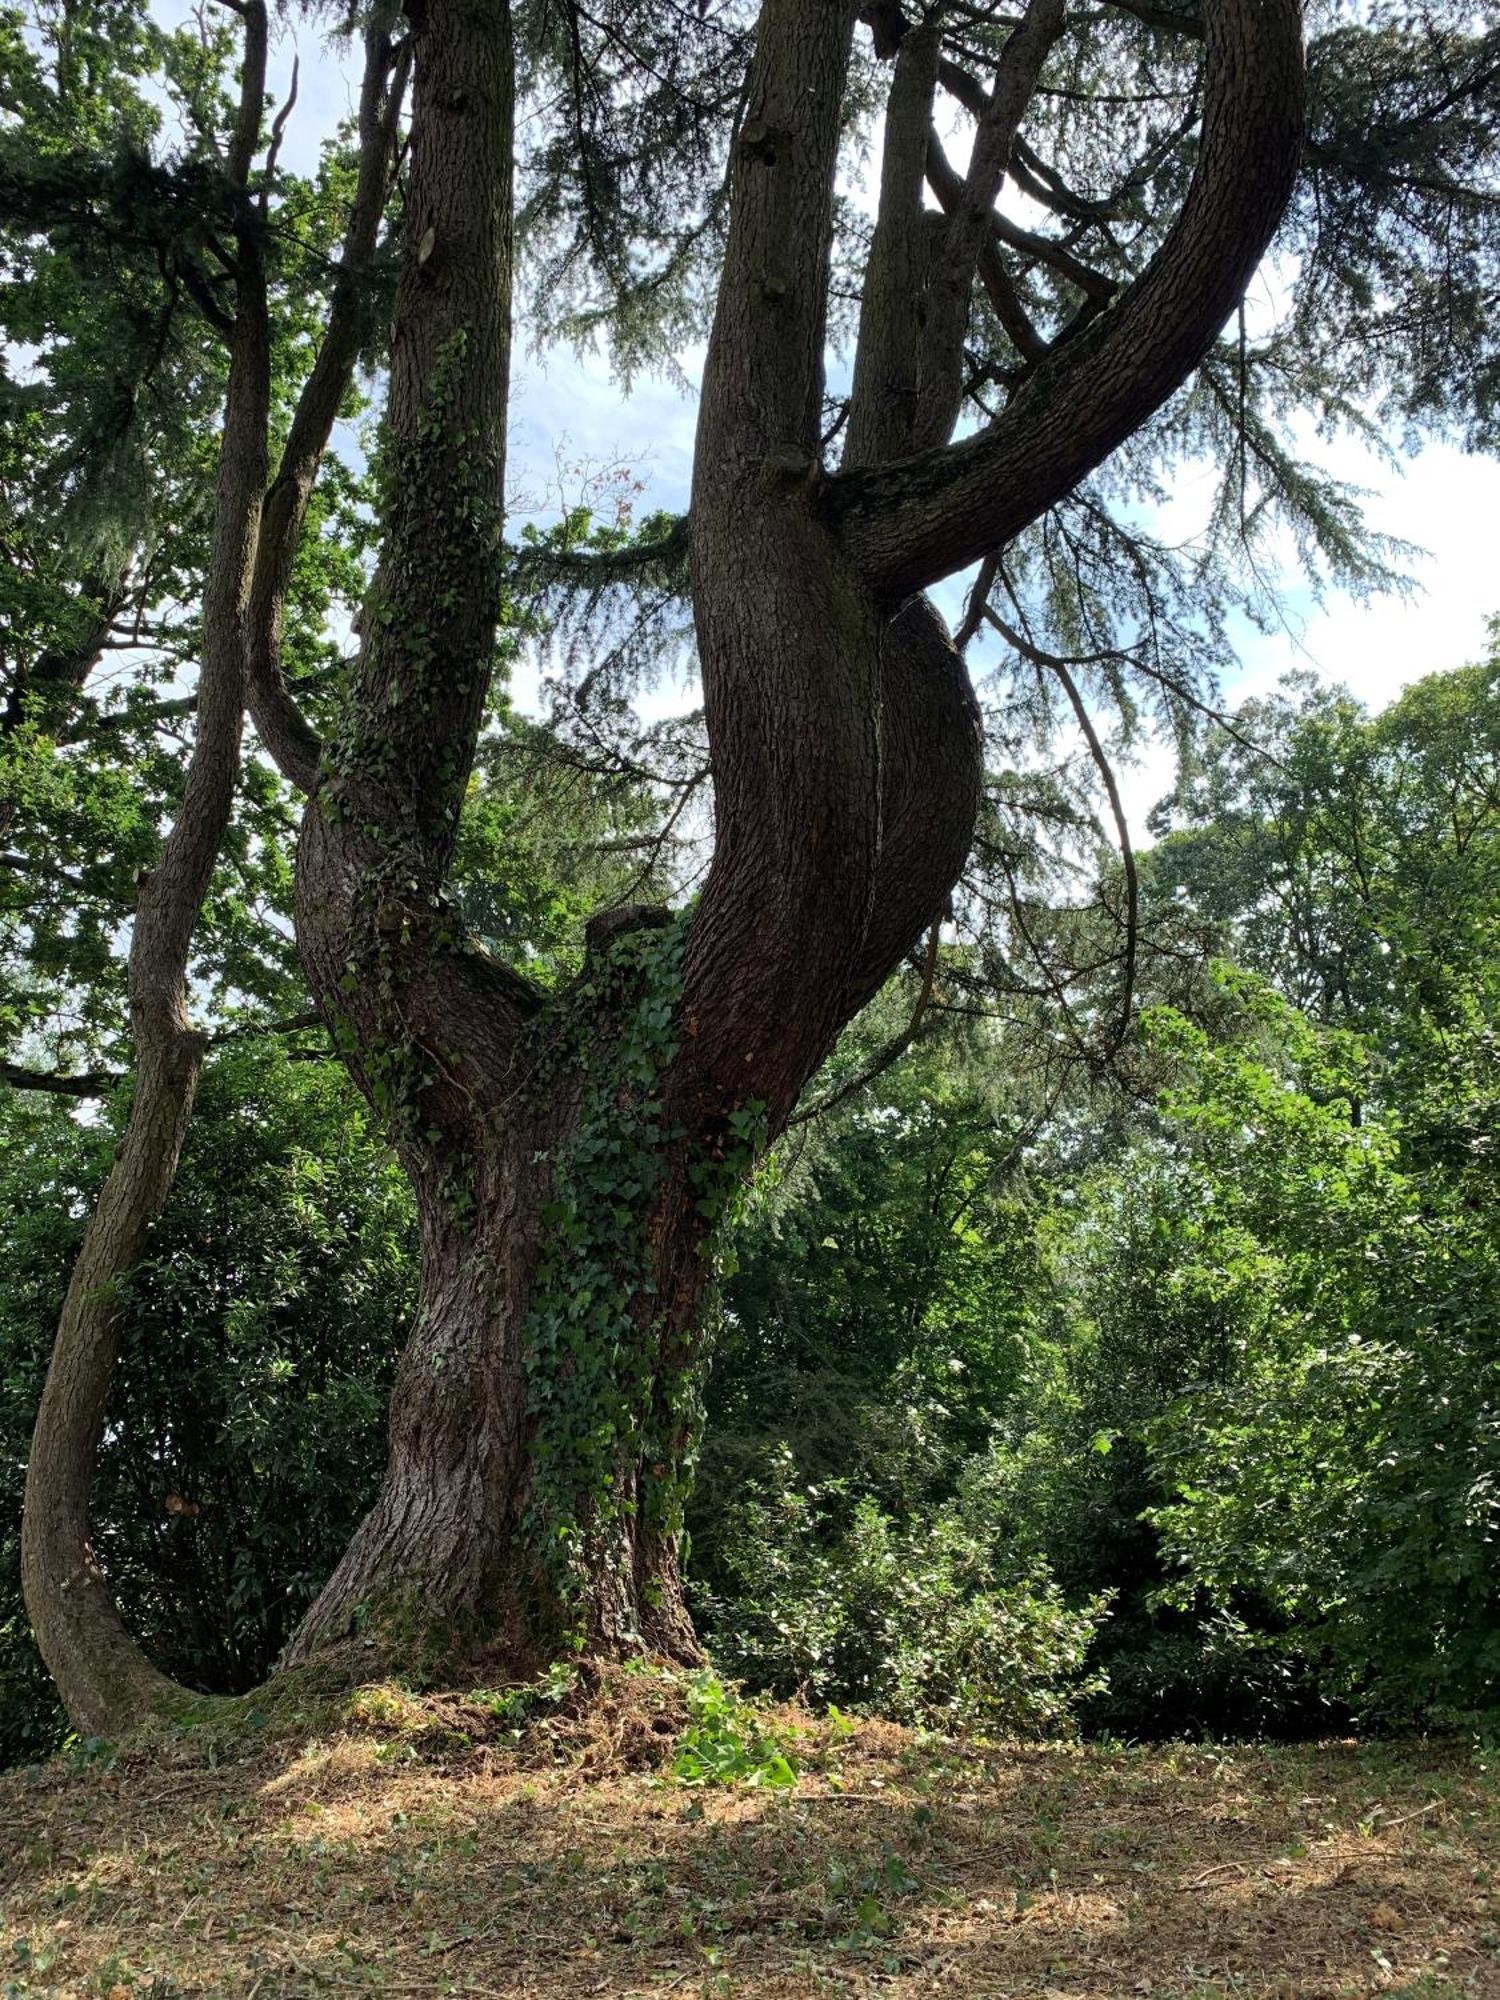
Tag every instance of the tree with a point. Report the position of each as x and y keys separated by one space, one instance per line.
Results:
x=1290 y=1284
x=571 y=1146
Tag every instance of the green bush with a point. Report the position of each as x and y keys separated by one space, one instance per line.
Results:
x=928 y=1621
x=1348 y=1472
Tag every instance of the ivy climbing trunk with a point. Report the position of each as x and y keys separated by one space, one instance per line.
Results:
x=541 y=1420
x=544 y=1416
x=571 y=1152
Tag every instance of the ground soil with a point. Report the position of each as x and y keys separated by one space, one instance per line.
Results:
x=418 y=1847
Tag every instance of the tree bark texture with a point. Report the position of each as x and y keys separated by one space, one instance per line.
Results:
x=544 y=1422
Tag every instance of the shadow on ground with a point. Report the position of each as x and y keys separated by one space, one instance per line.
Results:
x=370 y=1864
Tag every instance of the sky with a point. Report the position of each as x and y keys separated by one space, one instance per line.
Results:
x=568 y=412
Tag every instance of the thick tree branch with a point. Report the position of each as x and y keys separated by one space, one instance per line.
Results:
x=972 y=216
x=888 y=358
x=913 y=523
x=931 y=784
x=83 y=1083
x=283 y=729
x=387 y=955
x=789 y=646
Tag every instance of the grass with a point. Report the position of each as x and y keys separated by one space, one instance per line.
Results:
x=423 y=1846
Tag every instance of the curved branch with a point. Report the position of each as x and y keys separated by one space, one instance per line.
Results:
x=910 y=524
x=789 y=643
x=883 y=396
x=894 y=1049
x=931 y=786
x=105 y=1680
x=1055 y=664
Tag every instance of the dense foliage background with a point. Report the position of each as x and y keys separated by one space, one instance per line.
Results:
x=1148 y=1396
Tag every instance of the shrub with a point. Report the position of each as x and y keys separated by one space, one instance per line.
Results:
x=931 y=1621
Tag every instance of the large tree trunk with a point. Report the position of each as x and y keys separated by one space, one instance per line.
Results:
x=571 y=1153
x=543 y=1419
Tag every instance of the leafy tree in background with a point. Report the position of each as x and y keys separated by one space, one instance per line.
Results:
x=1344 y=1470
x=847 y=1534
x=1347 y=1469
x=571 y=1140
x=1229 y=1361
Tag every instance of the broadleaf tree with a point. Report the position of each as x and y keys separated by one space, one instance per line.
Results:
x=886 y=404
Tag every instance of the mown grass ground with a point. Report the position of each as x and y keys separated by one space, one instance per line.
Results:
x=397 y=1853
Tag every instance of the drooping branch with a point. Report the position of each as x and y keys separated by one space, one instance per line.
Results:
x=42 y=870
x=100 y=1082
x=1060 y=667
x=62 y=672
x=914 y=522
x=659 y=559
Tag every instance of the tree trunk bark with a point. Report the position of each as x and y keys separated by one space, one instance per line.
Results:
x=571 y=1154
x=543 y=1419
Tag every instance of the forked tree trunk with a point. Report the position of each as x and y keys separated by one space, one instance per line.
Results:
x=570 y=1153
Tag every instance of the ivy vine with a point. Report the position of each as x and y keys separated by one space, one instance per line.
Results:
x=616 y=1418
